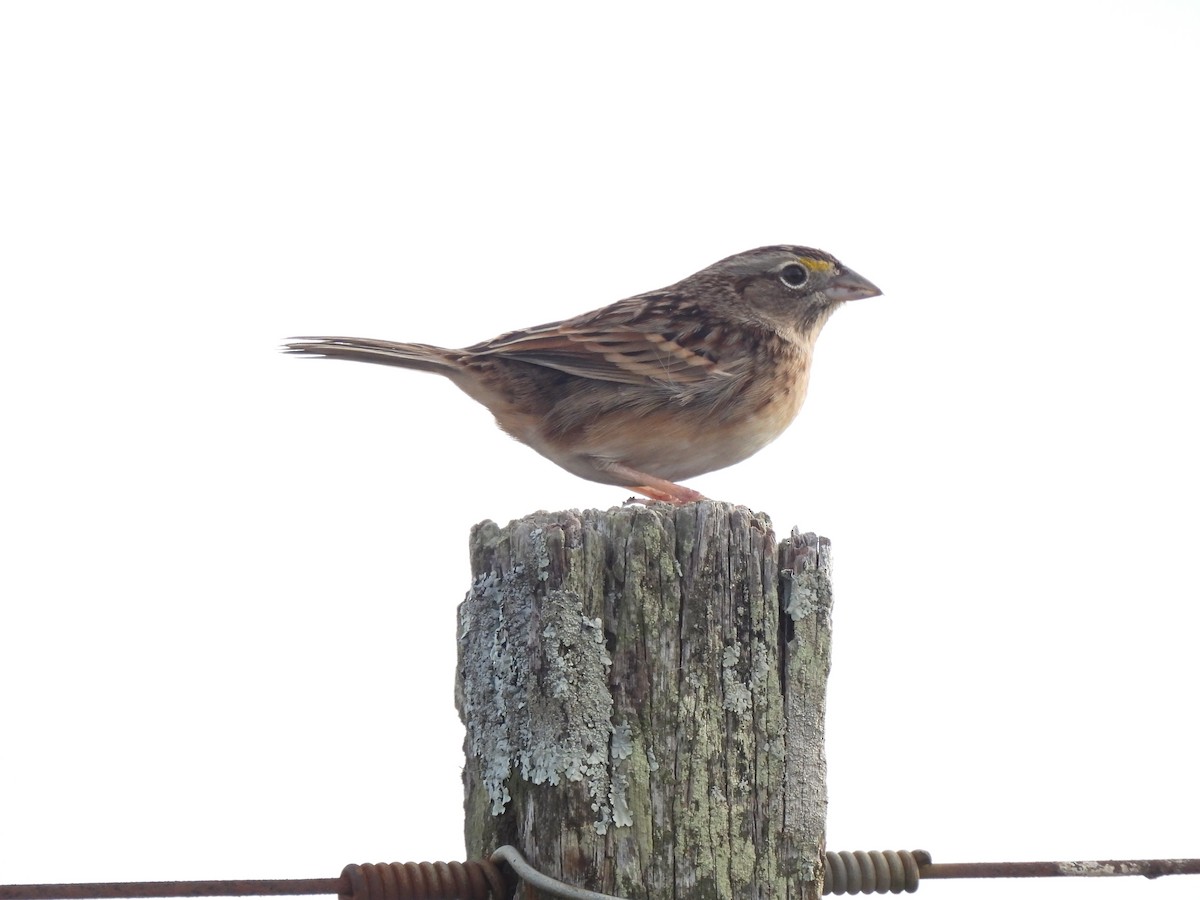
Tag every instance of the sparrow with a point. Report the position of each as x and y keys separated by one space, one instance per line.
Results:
x=656 y=388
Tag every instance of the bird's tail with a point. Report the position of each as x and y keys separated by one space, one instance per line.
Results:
x=425 y=357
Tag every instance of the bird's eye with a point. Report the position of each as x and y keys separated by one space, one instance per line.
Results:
x=793 y=275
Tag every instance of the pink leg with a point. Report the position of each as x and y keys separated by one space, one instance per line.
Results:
x=655 y=488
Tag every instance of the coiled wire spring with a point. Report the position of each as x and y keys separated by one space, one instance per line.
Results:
x=874 y=872
x=475 y=879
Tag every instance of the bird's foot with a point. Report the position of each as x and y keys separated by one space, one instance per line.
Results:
x=665 y=492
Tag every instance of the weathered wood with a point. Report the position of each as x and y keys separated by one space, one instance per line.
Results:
x=643 y=691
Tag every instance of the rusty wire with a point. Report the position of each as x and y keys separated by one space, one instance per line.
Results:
x=861 y=872
x=472 y=880
x=858 y=872
x=109 y=890
x=1147 y=868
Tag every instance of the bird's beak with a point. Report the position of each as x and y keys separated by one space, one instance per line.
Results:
x=849 y=285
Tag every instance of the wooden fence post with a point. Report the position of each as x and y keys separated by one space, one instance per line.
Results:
x=643 y=691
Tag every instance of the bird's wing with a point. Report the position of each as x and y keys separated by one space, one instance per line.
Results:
x=631 y=342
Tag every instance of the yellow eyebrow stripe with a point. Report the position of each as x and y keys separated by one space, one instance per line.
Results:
x=817 y=265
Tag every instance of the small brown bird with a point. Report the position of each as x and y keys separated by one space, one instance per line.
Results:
x=656 y=388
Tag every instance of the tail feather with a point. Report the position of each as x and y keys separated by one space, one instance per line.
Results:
x=425 y=357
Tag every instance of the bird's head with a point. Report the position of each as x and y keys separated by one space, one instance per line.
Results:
x=786 y=286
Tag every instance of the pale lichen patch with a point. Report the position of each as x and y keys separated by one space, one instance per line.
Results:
x=805 y=597
x=737 y=696
x=552 y=703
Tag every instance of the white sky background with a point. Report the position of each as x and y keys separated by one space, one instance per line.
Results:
x=229 y=577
